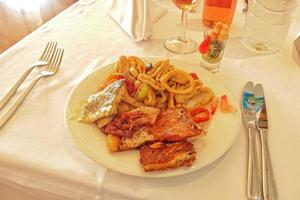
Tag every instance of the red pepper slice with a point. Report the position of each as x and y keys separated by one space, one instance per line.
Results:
x=129 y=86
x=213 y=105
x=201 y=115
x=204 y=46
x=194 y=75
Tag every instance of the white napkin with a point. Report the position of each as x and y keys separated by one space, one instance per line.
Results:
x=135 y=16
x=296 y=50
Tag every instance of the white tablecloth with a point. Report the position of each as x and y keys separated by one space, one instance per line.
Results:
x=38 y=157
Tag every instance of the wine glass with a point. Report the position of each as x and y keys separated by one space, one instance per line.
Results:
x=182 y=44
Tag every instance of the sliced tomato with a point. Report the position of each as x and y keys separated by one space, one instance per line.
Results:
x=214 y=105
x=200 y=115
x=225 y=106
x=194 y=75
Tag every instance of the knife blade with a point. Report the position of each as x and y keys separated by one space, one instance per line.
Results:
x=268 y=179
x=253 y=175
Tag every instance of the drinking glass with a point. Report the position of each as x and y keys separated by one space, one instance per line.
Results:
x=182 y=44
x=267 y=24
x=211 y=59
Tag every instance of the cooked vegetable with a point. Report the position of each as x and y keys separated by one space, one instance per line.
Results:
x=225 y=106
x=200 y=114
x=142 y=92
x=129 y=86
x=194 y=75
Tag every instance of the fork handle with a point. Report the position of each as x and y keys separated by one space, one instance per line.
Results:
x=254 y=190
x=14 y=88
x=7 y=115
x=268 y=179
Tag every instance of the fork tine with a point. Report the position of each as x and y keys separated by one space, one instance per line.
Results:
x=61 y=56
x=50 y=51
x=58 y=58
x=51 y=60
x=46 y=49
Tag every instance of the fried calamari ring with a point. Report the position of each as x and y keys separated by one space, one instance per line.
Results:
x=137 y=84
x=131 y=101
x=171 y=100
x=150 y=81
x=163 y=72
x=154 y=67
x=161 y=99
x=139 y=64
x=164 y=65
x=122 y=62
x=183 y=98
x=150 y=99
x=206 y=96
x=133 y=72
x=170 y=74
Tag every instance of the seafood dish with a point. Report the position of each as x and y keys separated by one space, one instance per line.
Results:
x=154 y=108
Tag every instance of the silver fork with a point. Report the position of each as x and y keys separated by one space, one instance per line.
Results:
x=50 y=70
x=42 y=61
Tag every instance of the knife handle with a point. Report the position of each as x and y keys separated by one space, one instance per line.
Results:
x=254 y=190
x=268 y=179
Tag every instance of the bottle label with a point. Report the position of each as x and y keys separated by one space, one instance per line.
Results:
x=219 y=3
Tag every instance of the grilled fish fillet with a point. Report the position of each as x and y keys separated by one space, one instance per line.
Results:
x=119 y=143
x=104 y=103
x=168 y=156
x=174 y=125
x=104 y=121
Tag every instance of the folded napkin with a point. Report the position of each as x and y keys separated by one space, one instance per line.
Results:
x=135 y=16
x=296 y=50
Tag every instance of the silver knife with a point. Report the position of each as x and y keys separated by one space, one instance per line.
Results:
x=254 y=190
x=268 y=180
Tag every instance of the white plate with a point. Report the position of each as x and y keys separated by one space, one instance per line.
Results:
x=222 y=130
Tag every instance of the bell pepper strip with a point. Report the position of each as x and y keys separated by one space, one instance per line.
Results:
x=194 y=75
x=214 y=105
x=200 y=115
x=204 y=46
x=129 y=86
x=225 y=106
x=142 y=92
x=117 y=76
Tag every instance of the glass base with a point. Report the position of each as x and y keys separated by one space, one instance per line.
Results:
x=212 y=67
x=181 y=47
x=259 y=46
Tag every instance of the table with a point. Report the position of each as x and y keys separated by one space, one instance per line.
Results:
x=39 y=160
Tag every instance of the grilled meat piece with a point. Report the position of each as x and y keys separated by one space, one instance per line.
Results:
x=141 y=116
x=168 y=156
x=126 y=124
x=103 y=103
x=119 y=143
x=174 y=125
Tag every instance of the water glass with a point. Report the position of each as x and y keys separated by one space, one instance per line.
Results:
x=267 y=24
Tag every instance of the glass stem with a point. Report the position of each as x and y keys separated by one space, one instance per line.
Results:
x=182 y=32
